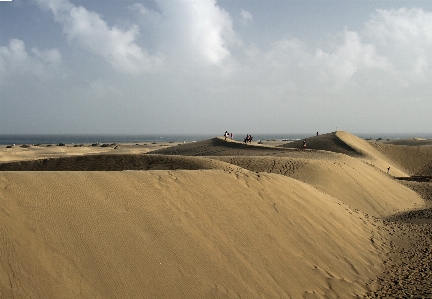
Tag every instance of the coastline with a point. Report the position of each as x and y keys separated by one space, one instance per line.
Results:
x=77 y=139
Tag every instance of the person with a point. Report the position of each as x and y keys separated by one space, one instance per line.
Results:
x=226 y=134
x=388 y=170
x=304 y=144
x=317 y=133
x=231 y=136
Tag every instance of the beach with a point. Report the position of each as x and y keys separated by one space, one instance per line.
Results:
x=342 y=218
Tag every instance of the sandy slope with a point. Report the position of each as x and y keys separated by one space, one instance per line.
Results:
x=351 y=145
x=211 y=219
x=353 y=182
x=18 y=153
x=417 y=160
x=117 y=162
x=32 y=152
x=179 y=234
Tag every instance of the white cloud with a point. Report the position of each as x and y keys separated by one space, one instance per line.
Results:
x=293 y=67
x=246 y=17
x=406 y=38
x=92 y=33
x=16 y=61
x=196 y=30
x=393 y=51
x=186 y=32
x=14 y=57
x=401 y=26
x=348 y=58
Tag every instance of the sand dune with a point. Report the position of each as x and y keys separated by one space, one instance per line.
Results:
x=353 y=182
x=415 y=159
x=426 y=170
x=32 y=152
x=220 y=147
x=336 y=142
x=331 y=142
x=179 y=234
x=208 y=219
x=407 y=141
x=351 y=145
x=18 y=153
x=118 y=162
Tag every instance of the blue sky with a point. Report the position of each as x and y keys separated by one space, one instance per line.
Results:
x=206 y=66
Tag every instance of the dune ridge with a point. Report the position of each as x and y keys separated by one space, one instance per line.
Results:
x=348 y=179
x=212 y=219
x=331 y=142
x=117 y=162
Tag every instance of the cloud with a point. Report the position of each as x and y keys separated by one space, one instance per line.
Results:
x=406 y=38
x=401 y=26
x=349 y=58
x=392 y=52
x=290 y=66
x=92 y=33
x=185 y=32
x=246 y=17
x=13 y=57
x=15 y=62
x=146 y=13
x=359 y=72
x=52 y=57
x=196 y=30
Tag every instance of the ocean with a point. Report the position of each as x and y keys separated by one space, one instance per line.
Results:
x=93 y=138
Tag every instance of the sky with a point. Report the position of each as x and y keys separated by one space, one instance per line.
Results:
x=207 y=66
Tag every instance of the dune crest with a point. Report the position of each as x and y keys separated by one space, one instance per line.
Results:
x=371 y=155
x=351 y=145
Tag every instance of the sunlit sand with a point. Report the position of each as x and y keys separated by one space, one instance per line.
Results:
x=210 y=219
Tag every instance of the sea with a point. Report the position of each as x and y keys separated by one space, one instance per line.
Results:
x=105 y=138
x=93 y=138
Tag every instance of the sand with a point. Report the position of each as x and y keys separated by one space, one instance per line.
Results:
x=216 y=219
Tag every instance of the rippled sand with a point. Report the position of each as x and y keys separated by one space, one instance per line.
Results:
x=215 y=219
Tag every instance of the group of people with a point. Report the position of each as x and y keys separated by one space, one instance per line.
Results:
x=228 y=135
x=248 y=138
